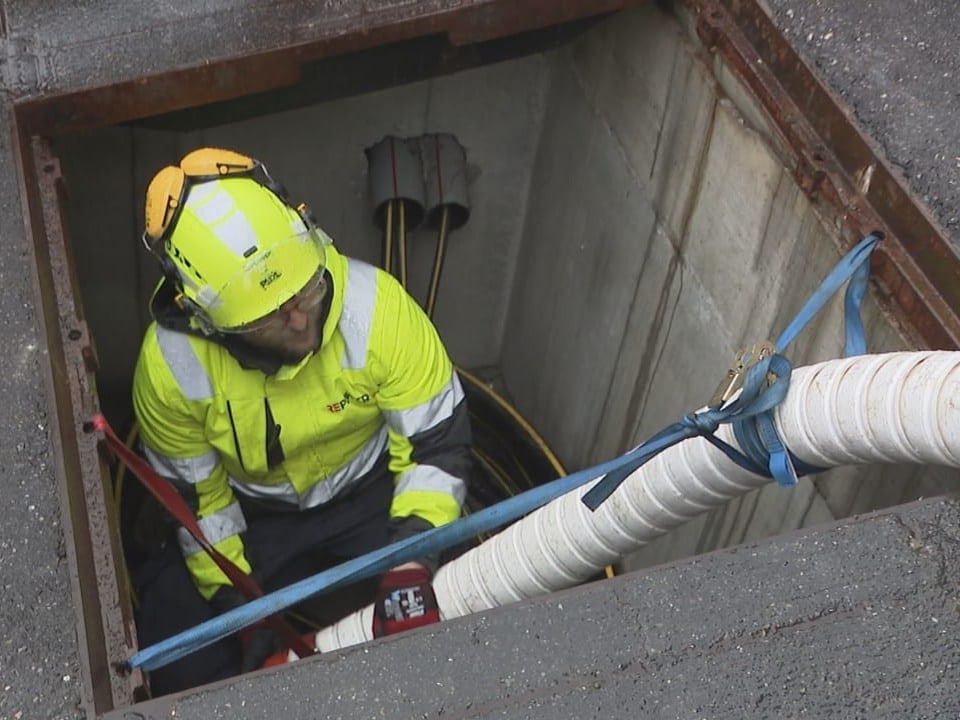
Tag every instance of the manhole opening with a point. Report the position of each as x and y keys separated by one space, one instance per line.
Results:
x=591 y=282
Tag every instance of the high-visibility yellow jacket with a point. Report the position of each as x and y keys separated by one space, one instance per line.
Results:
x=381 y=383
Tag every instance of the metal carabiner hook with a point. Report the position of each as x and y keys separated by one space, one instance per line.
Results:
x=744 y=359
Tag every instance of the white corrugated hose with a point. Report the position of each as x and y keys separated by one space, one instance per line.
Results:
x=887 y=408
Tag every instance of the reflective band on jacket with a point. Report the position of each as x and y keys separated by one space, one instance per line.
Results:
x=216 y=528
x=324 y=491
x=425 y=478
x=184 y=364
x=423 y=417
x=188 y=470
x=358 y=305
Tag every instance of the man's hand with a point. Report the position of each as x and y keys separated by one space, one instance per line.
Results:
x=405 y=600
x=258 y=643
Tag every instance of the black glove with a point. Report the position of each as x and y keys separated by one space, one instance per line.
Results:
x=405 y=601
x=227 y=598
x=406 y=527
x=257 y=642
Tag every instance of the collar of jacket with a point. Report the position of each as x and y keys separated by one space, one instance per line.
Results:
x=167 y=314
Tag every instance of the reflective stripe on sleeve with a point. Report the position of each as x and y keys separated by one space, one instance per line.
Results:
x=184 y=364
x=216 y=527
x=426 y=478
x=281 y=492
x=189 y=470
x=359 y=300
x=426 y=415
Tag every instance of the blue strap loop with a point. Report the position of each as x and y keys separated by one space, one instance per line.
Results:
x=764 y=387
x=853 y=265
x=764 y=450
x=782 y=464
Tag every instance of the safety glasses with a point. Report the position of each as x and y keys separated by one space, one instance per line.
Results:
x=304 y=301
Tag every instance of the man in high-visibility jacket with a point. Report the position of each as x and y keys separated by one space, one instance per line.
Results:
x=299 y=401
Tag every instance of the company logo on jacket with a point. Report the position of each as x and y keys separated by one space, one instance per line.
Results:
x=347 y=399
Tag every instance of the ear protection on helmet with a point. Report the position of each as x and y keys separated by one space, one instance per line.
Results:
x=168 y=191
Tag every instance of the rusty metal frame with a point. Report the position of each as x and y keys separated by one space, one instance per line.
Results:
x=105 y=623
x=916 y=268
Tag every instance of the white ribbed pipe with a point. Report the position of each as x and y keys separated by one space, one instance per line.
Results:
x=889 y=408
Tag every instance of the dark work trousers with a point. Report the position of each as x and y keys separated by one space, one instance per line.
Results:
x=282 y=547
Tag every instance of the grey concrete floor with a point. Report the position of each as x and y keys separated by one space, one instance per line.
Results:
x=845 y=636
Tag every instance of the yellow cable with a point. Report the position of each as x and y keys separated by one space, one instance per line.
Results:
x=402 y=233
x=478 y=423
x=496 y=471
x=437 y=263
x=117 y=498
x=388 y=239
x=518 y=418
x=122 y=468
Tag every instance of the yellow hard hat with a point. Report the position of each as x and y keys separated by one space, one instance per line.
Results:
x=229 y=240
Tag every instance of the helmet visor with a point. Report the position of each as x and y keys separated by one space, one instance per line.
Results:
x=309 y=297
x=273 y=278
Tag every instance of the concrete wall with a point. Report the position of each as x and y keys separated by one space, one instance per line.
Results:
x=664 y=232
x=318 y=153
x=632 y=225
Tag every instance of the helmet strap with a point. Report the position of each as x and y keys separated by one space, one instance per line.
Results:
x=193 y=310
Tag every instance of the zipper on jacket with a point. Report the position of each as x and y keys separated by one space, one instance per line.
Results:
x=236 y=440
x=274 y=448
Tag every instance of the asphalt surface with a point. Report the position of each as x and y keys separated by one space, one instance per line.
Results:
x=856 y=621
x=896 y=64
x=39 y=666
